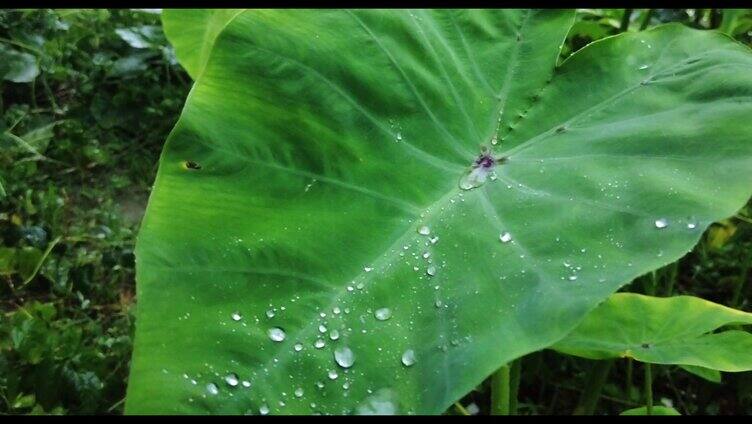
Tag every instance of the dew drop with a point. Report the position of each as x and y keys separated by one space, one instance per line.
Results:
x=408 y=358
x=212 y=389
x=236 y=316
x=299 y=392
x=505 y=237
x=383 y=314
x=232 y=379
x=333 y=375
x=572 y=277
x=691 y=225
x=431 y=270
x=334 y=334
x=318 y=344
x=270 y=313
x=367 y=269
x=661 y=223
x=426 y=255
x=424 y=230
x=344 y=356
x=399 y=136
x=298 y=347
x=277 y=334
x=263 y=409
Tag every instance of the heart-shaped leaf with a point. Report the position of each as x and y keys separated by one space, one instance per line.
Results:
x=325 y=236
x=674 y=330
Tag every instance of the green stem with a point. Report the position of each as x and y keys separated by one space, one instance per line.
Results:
x=672 y=279
x=461 y=409
x=46 y=253
x=648 y=389
x=698 y=16
x=596 y=378
x=736 y=300
x=500 y=391
x=630 y=365
x=625 y=20
x=646 y=19
x=515 y=385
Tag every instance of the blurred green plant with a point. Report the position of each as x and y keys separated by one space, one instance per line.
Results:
x=87 y=99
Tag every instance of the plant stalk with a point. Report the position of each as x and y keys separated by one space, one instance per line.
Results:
x=596 y=378
x=648 y=389
x=736 y=299
x=500 y=391
x=630 y=366
x=515 y=385
x=646 y=19
x=625 y=20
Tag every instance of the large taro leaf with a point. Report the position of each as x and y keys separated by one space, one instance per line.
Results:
x=675 y=330
x=315 y=147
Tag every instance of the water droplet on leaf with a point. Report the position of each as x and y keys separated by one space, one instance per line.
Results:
x=661 y=223
x=383 y=314
x=344 y=356
x=408 y=358
x=232 y=379
x=277 y=334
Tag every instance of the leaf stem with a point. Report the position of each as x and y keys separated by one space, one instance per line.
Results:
x=625 y=20
x=500 y=391
x=595 y=380
x=736 y=299
x=630 y=366
x=515 y=385
x=648 y=388
x=47 y=251
x=646 y=19
x=461 y=409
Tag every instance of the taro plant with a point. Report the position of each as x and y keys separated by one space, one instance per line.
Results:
x=372 y=211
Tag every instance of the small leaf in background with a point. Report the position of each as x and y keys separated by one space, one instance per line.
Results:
x=131 y=65
x=656 y=410
x=674 y=330
x=39 y=138
x=720 y=233
x=141 y=37
x=27 y=259
x=736 y=21
x=17 y=66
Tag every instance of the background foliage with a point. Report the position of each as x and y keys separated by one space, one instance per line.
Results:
x=88 y=97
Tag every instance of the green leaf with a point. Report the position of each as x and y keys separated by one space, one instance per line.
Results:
x=714 y=376
x=674 y=330
x=17 y=66
x=39 y=138
x=735 y=21
x=192 y=34
x=315 y=146
x=141 y=37
x=656 y=410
